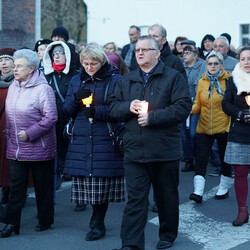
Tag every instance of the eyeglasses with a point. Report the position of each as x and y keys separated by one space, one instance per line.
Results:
x=59 y=53
x=213 y=64
x=143 y=50
x=91 y=65
x=187 y=53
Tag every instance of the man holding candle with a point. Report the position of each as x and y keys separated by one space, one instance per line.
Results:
x=151 y=142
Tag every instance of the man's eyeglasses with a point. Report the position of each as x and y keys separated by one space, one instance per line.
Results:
x=213 y=64
x=59 y=53
x=143 y=50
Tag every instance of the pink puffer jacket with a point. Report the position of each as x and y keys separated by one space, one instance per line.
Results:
x=30 y=106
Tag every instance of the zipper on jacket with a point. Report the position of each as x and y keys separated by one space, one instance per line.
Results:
x=17 y=141
x=211 y=113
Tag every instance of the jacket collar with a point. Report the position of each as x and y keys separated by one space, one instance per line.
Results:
x=135 y=76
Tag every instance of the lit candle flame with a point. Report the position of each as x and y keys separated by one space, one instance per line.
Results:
x=88 y=100
x=247 y=98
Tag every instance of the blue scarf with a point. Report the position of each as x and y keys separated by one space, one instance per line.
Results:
x=214 y=82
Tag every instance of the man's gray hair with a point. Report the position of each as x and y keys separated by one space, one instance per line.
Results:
x=30 y=56
x=163 y=30
x=155 y=43
x=225 y=39
x=215 y=54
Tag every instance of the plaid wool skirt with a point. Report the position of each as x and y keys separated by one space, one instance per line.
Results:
x=97 y=190
x=237 y=153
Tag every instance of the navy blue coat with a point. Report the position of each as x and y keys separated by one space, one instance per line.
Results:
x=91 y=152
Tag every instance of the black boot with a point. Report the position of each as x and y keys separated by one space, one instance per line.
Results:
x=96 y=223
x=5 y=195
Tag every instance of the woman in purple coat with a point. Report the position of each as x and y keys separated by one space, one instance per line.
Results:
x=31 y=116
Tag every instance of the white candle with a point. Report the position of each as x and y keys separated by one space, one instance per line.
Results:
x=144 y=107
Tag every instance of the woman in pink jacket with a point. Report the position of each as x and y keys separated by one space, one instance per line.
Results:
x=31 y=141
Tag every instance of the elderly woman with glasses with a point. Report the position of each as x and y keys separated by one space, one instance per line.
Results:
x=195 y=68
x=96 y=168
x=31 y=116
x=213 y=124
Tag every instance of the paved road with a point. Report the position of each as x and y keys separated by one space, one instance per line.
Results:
x=205 y=226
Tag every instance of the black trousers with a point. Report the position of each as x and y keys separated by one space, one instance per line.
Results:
x=165 y=179
x=43 y=178
x=204 y=147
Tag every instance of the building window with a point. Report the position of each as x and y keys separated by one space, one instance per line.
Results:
x=245 y=34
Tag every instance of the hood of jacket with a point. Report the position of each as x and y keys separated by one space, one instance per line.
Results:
x=36 y=78
x=224 y=75
x=241 y=79
x=47 y=58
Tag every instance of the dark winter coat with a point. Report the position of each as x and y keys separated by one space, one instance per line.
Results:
x=232 y=103
x=168 y=59
x=91 y=152
x=169 y=105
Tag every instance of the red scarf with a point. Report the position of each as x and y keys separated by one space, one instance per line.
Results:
x=58 y=67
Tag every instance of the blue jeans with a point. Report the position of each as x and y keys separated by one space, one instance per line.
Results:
x=188 y=138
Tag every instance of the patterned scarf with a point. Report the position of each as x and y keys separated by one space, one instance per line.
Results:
x=214 y=82
x=6 y=80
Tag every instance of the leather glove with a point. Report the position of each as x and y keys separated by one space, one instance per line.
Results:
x=244 y=116
x=82 y=93
x=89 y=111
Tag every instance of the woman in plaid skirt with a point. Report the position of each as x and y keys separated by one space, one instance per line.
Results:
x=96 y=169
x=236 y=103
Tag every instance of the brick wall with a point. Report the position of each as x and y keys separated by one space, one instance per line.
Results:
x=18 y=24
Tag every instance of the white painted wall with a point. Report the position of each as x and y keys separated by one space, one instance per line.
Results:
x=109 y=20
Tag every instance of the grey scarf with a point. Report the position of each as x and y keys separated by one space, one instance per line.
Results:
x=6 y=80
x=214 y=82
x=129 y=55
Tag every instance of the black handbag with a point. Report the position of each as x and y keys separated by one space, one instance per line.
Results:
x=116 y=133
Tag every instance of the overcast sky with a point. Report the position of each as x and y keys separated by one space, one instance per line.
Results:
x=109 y=20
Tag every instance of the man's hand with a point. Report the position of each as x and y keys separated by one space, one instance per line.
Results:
x=143 y=119
x=135 y=106
x=23 y=136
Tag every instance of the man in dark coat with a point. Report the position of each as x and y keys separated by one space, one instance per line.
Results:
x=128 y=50
x=160 y=34
x=151 y=142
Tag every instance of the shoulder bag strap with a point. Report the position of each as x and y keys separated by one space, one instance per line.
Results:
x=57 y=89
x=2 y=110
x=105 y=102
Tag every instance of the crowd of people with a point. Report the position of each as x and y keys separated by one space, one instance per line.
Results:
x=176 y=103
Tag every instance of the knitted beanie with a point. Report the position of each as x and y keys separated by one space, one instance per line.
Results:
x=7 y=52
x=114 y=60
x=58 y=48
x=62 y=32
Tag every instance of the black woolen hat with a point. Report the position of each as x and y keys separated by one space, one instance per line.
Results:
x=7 y=52
x=42 y=42
x=62 y=32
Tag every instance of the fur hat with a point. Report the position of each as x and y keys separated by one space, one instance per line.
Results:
x=42 y=42
x=7 y=52
x=62 y=32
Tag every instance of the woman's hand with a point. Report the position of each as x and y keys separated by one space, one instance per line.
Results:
x=82 y=93
x=23 y=136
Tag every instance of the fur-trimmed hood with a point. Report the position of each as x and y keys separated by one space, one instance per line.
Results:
x=47 y=58
x=241 y=79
